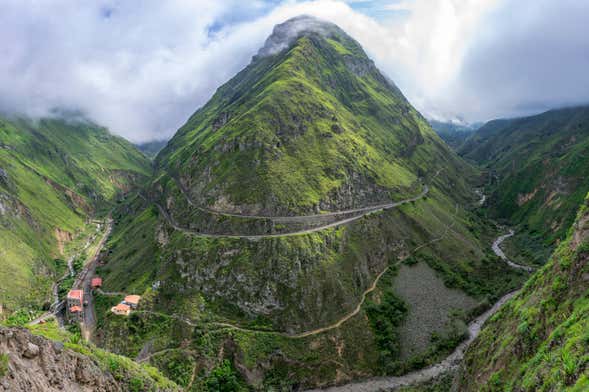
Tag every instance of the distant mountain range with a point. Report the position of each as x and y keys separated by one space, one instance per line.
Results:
x=152 y=148
x=454 y=133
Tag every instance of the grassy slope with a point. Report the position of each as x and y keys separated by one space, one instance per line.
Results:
x=541 y=162
x=539 y=340
x=279 y=148
x=300 y=125
x=55 y=174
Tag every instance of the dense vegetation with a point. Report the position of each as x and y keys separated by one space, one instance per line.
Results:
x=55 y=174
x=538 y=341
x=537 y=174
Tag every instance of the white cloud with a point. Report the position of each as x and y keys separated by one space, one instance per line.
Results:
x=143 y=70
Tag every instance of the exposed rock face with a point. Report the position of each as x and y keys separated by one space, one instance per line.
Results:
x=38 y=364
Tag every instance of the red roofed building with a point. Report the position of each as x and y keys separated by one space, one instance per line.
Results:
x=96 y=282
x=121 y=309
x=132 y=300
x=75 y=298
x=75 y=305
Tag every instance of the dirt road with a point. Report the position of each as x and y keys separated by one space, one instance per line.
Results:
x=370 y=210
x=83 y=282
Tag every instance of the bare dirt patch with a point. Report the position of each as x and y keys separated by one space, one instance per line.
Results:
x=431 y=305
x=62 y=237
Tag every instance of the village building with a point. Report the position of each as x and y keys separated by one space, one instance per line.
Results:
x=121 y=309
x=76 y=313
x=96 y=282
x=132 y=301
x=75 y=305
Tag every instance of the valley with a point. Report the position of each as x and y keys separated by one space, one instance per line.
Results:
x=266 y=281
x=305 y=229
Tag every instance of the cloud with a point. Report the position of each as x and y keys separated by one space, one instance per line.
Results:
x=142 y=71
x=533 y=56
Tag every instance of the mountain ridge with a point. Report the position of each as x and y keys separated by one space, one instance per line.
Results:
x=312 y=129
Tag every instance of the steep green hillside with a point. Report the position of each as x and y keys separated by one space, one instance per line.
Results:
x=538 y=168
x=539 y=341
x=55 y=174
x=251 y=273
x=311 y=128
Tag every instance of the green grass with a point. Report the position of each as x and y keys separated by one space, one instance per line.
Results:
x=538 y=341
x=3 y=364
x=56 y=173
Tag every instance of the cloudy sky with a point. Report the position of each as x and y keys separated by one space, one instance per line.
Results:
x=142 y=67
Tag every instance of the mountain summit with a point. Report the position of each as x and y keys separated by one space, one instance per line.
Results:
x=310 y=125
x=285 y=34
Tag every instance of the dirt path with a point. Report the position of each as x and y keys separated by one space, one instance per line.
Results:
x=110 y=293
x=499 y=252
x=420 y=376
x=315 y=331
x=451 y=362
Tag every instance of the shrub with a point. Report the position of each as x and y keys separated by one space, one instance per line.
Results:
x=384 y=320
x=3 y=365
x=223 y=379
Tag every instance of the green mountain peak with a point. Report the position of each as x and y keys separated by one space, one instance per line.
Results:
x=310 y=127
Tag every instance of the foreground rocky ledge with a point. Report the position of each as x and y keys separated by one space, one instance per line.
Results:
x=33 y=363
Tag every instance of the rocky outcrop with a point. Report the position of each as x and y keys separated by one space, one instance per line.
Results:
x=38 y=364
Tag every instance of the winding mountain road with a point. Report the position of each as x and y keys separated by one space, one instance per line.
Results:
x=367 y=211
x=315 y=331
x=285 y=218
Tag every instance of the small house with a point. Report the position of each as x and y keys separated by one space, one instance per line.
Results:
x=96 y=282
x=76 y=313
x=121 y=309
x=75 y=305
x=132 y=301
x=75 y=298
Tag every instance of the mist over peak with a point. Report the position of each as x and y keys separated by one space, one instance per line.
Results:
x=284 y=34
